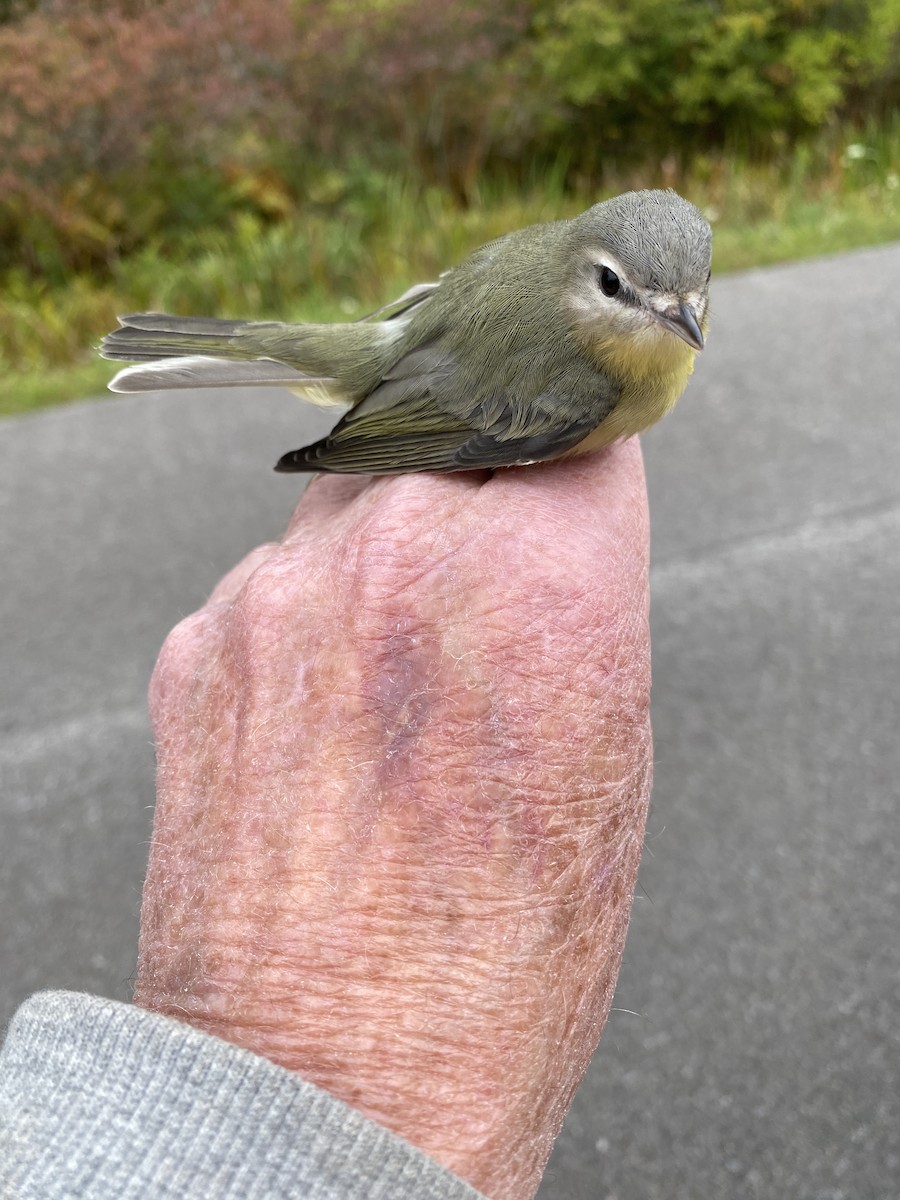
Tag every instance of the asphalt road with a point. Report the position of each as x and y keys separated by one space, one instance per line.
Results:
x=755 y=1050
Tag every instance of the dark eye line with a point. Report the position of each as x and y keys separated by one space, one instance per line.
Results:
x=625 y=293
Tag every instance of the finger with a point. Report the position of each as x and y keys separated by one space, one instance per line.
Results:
x=324 y=497
x=332 y=496
x=229 y=586
x=600 y=496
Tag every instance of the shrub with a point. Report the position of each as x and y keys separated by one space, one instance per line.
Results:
x=112 y=115
x=126 y=124
x=639 y=76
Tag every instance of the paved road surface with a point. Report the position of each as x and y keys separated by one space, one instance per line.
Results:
x=757 y=1053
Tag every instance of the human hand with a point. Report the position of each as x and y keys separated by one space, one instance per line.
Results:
x=404 y=761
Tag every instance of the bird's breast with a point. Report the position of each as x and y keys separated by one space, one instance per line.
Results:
x=643 y=399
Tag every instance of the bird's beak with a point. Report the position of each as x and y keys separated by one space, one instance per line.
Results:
x=680 y=319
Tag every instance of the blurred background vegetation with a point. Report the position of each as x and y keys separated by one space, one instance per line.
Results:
x=310 y=158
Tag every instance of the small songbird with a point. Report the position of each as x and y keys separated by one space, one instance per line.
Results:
x=553 y=340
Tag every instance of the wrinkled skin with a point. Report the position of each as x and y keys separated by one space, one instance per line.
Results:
x=404 y=762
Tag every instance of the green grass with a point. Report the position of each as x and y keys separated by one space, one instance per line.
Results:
x=338 y=263
x=24 y=391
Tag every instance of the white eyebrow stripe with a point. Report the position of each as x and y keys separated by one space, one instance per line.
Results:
x=603 y=258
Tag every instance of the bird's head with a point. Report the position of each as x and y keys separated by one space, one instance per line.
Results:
x=638 y=292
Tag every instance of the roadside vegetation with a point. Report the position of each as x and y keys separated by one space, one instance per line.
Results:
x=315 y=157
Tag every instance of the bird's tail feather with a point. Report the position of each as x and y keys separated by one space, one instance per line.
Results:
x=196 y=352
x=198 y=371
x=145 y=337
x=310 y=359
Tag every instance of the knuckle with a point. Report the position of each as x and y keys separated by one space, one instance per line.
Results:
x=232 y=583
x=407 y=532
x=266 y=616
x=177 y=661
x=266 y=594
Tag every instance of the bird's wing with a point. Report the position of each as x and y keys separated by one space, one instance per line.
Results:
x=358 y=451
x=406 y=424
x=417 y=295
x=411 y=298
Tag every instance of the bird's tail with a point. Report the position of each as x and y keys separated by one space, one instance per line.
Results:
x=145 y=337
x=192 y=352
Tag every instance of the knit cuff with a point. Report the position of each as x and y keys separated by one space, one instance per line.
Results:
x=105 y=1101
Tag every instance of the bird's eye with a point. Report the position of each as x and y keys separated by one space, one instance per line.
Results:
x=609 y=282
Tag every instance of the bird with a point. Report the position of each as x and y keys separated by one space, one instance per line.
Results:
x=550 y=341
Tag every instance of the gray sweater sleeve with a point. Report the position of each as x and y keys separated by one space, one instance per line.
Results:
x=104 y=1101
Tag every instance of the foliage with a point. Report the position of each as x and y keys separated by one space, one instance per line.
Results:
x=112 y=115
x=227 y=155
x=11 y=9
x=679 y=75
x=827 y=195
x=121 y=121
x=423 y=84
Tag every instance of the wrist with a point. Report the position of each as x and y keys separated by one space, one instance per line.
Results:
x=455 y=1002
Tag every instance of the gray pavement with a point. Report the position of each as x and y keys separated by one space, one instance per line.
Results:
x=755 y=1046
